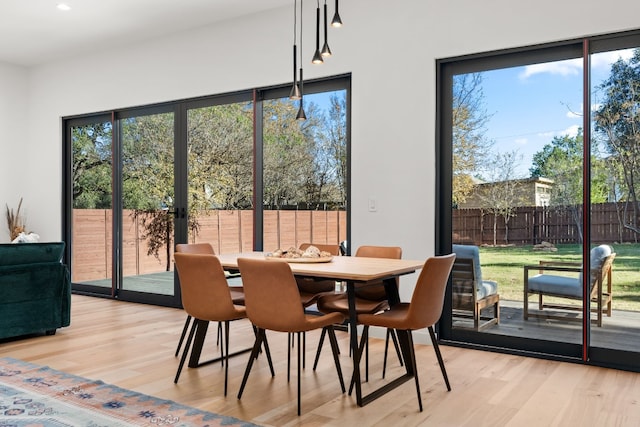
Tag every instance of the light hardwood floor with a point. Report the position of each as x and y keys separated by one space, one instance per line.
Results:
x=132 y=346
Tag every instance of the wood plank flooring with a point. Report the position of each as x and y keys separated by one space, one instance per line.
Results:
x=132 y=346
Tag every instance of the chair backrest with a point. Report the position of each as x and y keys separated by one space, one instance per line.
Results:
x=376 y=292
x=316 y=286
x=427 y=301
x=271 y=294
x=332 y=249
x=471 y=252
x=203 y=286
x=195 y=248
x=598 y=256
x=463 y=283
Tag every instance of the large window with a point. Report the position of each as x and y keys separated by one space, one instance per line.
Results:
x=538 y=172
x=234 y=170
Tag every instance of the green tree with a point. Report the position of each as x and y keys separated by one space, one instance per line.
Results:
x=562 y=161
x=220 y=157
x=147 y=178
x=617 y=122
x=288 y=159
x=91 y=166
x=501 y=195
x=470 y=146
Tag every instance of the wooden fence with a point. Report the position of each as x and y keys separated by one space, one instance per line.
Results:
x=228 y=231
x=532 y=225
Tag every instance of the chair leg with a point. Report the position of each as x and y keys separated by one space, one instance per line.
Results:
x=299 y=362
x=391 y=333
x=226 y=355
x=222 y=361
x=315 y=362
x=183 y=334
x=436 y=347
x=290 y=338
x=187 y=346
x=260 y=337
x=412 y=362
x=334 y=350
x=386 y=351
x=265 y=343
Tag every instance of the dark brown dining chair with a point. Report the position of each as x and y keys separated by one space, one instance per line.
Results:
x=272 y=301
x=206 y=296
x=237 y=294
x=370 y=299
x=312 y=289
x=423 y=311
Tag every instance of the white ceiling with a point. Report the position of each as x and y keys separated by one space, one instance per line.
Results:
x=34 y=32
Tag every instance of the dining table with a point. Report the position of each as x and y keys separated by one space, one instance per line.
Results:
x=355 y=271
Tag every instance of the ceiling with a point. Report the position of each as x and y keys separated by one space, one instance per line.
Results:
x=34 y=32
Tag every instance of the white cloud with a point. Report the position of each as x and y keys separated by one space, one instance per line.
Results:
x=521 y=141
x=571 y=131
x=605 y=59
x=573 y=67
x=569 y=67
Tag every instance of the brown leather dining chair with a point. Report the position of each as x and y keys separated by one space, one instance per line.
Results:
x=370 y=299
x=423 y=311
x=272 y=301
x=206 y=296
x=310 y=289
x=237 y=294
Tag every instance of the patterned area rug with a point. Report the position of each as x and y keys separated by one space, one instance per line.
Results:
x=38 y=396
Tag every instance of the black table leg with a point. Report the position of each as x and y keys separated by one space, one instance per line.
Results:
x=353 y=336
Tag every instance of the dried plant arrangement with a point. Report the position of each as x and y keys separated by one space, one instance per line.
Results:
x=15 y=221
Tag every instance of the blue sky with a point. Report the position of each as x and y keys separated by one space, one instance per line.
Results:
x=530 y=105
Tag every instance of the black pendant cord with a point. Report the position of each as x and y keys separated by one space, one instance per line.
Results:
x=301 y=115
x=317 y=58
x=326 y=52
x=295 y=92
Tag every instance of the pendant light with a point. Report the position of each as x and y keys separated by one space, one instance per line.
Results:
x=317 y=57
x=295 y=90
x=301 y=115
x=336 y=21
x=326 y=52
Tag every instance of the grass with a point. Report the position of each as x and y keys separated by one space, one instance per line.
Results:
x=504 y=265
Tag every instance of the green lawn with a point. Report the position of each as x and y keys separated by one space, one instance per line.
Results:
x=504 y=265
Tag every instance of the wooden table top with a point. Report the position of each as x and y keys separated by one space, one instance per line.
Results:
x=357 y=269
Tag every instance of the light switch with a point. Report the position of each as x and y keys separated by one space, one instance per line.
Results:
x=373 y=205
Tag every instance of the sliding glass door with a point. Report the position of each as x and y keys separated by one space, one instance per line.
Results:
x=123 y=205
x=140 y=180
x=537 y=161
x=147 y=205
x=89 y=160
x=220 y=173
x=615 y=221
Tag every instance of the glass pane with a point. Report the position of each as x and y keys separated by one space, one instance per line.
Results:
x=517 y=194
x=148 y=203
x=220 y=165
x=615 y=220
x=92 y=210
x=305 y=169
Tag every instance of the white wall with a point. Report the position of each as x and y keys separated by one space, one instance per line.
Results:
x=389 y=47
x=14 y=138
